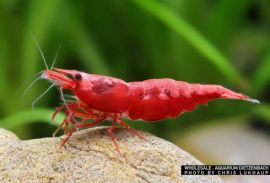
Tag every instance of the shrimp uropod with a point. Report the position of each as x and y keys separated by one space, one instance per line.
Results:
x=101 y=97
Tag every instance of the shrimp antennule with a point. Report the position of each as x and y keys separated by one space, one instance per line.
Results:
x=40 y=50
x=58 y=49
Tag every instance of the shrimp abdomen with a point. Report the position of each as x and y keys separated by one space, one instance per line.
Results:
x=157 y=99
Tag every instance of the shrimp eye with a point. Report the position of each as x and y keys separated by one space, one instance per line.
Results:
x=78 y=77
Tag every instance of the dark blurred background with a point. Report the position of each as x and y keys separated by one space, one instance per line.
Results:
x=223 y=42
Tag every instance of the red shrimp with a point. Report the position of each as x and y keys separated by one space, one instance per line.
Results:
x=101 y=97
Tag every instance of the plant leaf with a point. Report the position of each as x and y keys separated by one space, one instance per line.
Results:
x=262 y=76
x=191 y=35
x=29 y=116
x=85 y=46
x=263 y=111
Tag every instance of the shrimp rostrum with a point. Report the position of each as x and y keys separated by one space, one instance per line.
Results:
x=100 y=98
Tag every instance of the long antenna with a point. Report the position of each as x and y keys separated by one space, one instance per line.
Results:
x=43 y=58
x=65 y=103
x=37 y=99
x=64 y=100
